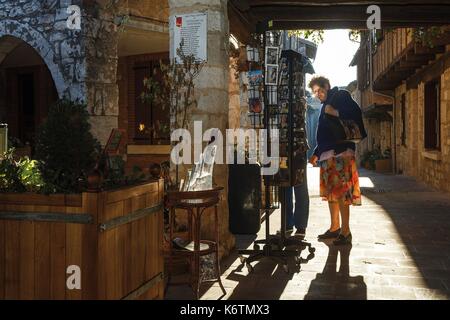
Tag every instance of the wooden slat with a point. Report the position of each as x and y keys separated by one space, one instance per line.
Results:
x=113 y=278
x=58 y=261
x=121 y=195
x=149 y=149
x=2 y=259
x=151 y=261
x=154 y=250
x=160 y=255
x=142 y=245
x=154 y=245
x=89 y=247
x=121 y=234
x=110 y=264
x=127 y=263
x=74 y=200
x=42 y=261
x=39 y=199
x=137 y=244
x=74 y=240
x=26 y=261
x=102 y=245
x=12 y=245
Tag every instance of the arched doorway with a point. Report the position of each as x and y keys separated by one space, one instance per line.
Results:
x=27 y=90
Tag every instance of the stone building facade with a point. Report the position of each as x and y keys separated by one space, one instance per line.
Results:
x=82 y=63
x=406 y=101
x=431 y=165
x=103 y=65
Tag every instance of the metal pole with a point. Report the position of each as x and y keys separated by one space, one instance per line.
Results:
x=3 y=138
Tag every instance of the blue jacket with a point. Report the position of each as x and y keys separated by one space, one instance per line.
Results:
x=348 y=109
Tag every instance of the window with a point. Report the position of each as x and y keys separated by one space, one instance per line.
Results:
x=152 y=124
x=403 y=110
x=432 y=115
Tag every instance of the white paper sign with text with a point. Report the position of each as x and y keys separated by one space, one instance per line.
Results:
x=193 y=30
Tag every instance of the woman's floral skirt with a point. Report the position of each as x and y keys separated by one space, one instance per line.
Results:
x=339 y=180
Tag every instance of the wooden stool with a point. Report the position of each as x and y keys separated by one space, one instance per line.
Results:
x=195 y=203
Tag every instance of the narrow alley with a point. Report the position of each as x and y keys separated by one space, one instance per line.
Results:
x=401 y=250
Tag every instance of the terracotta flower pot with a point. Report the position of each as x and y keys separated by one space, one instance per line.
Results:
x=94 y=180
x=155 y=170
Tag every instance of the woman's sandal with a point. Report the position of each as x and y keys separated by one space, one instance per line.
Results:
x=343 y=240
x=329 y=234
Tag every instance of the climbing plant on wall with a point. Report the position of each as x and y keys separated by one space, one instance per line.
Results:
x=175 y=89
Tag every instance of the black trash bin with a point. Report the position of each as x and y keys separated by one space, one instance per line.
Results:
x=244 y=198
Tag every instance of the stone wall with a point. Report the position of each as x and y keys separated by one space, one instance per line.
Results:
x=42 y=24
x=430 y=166
x=152 y=9
x=378 y=136
x=82 y=62
x=379 y=133
x=212 y=93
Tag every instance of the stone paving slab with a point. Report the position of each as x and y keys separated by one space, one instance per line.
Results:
x=401 y=250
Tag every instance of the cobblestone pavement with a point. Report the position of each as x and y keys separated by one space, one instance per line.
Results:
x=401 y=250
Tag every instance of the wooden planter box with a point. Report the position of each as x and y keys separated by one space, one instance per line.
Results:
x=383 y=166
x=115 y=237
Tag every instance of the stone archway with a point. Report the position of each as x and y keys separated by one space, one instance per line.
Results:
x=16 y=31
x=27 y=90
x=83 y=63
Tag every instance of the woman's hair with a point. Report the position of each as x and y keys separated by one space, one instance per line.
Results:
x=319 y=81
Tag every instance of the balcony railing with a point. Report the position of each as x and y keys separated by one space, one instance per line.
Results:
x=399 y=56
x=389 y=50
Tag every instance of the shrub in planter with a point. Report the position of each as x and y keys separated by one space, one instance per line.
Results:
x=384 y=163
x=9 y=174
x=30 y=175
x=19 y=176
x=65 y=147
x=367 y=160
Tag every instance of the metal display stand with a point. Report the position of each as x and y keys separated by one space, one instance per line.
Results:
x=284 y=109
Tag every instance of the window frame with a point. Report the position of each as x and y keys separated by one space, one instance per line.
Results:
x=432 y=140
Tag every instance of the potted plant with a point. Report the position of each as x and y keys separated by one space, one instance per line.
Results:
x=367 y=160
x=175 y=90
x=383 y=164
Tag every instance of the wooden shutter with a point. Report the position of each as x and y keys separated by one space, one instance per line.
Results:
x=432 y=115
x=403 y=106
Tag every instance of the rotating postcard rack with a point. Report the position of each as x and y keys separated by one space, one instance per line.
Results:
x=284 y=109
x=287 y=114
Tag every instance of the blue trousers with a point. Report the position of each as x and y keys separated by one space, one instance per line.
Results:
x=298 y=217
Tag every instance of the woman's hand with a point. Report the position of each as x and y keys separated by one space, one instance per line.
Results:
x=331 y=111
x=313 y=160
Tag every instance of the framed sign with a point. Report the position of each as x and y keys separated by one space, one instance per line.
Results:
x=191 y=31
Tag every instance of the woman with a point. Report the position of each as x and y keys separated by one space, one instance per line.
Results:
x=339 y=183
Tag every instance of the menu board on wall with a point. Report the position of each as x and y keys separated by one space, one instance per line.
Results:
x=192 y=30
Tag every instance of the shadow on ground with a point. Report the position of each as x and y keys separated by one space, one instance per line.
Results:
x=415 y=232
x=337 y=284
